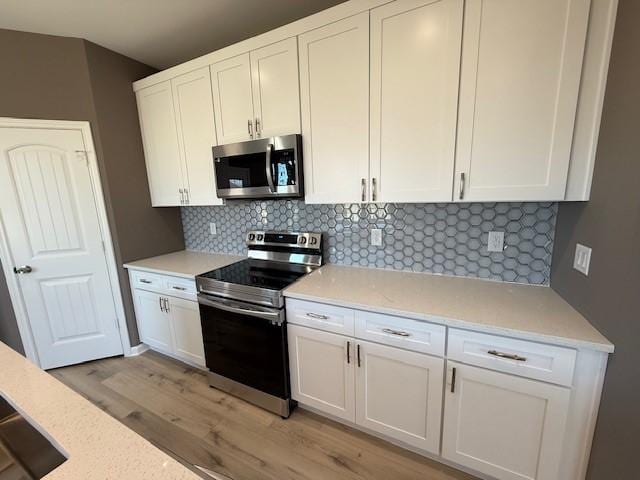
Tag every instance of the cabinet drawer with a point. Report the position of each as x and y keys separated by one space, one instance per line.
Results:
x=401 y=332
x=519 y=357
x=182 y=287
x=321 y=316
x=148 y=281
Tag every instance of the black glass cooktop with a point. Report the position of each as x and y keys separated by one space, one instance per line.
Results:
x=259 y=273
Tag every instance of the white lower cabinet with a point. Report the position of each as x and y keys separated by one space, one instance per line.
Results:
x=187 y=330
x=388 y=390
x=153 y=322
x=399 y=394
x=505 y=426
x=166 y=322
x=322 y=371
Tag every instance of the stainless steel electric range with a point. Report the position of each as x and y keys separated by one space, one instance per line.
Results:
x=243 y=318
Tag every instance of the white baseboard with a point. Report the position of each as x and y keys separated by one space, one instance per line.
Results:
x=137 y=350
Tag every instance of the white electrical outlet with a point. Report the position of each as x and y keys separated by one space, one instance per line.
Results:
x=495 y=243
x=213 y=229
x=582 y=259
x=376 y=237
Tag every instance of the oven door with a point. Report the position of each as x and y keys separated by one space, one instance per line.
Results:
x=269 y=167
x=246 y=343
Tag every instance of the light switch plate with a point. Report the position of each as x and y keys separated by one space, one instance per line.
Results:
x=495 y=243
x=582 y=259
x=376 y=237
x=213 y=230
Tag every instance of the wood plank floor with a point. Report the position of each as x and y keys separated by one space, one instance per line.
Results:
x=172 y=406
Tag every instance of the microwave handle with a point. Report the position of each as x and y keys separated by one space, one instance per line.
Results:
x=272 y=187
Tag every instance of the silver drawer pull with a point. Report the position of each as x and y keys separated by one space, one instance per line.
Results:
x=179 y=288
x=142 y=280
x=398 y=333
x=317 y=316
x=509 y=356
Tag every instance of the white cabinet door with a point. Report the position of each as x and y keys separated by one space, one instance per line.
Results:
x=160 y=140
x=399 y=394
x=415 y=63
x=334 y=87
x=193 y=105
x=153 y=320
x=233 y=103
x=187 y=330
x=519 y=87
x=276 y=92
x=508 y=427
x=322 y=371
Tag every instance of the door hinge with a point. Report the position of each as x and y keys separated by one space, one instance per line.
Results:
x=83 y=154
x=104 y=247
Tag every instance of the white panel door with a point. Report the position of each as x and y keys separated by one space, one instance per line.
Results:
x=160 y=140
x=322 y=371
x=232 y=100
x=334 y=88
x=193 y=103
x=399 y=394
x=508 y=427
x=415 y=67
x=154 y=322
x=521 y=66
x=276 y=92
x=50 y=219
x=187 y=330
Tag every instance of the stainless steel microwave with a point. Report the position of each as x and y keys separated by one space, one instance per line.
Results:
x=264 y=168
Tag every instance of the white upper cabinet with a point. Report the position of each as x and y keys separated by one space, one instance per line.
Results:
x=415 y=63
x=256 y=94
x=193 y=105
x=231 y=81
x=160 y=140
x=334 y=87
x=276 y=92
x=519 y=87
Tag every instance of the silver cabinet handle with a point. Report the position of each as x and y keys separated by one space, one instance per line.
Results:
x=317 y=316
x=398 y=333
x=348 y=352
x=182 y=289
x=186 y=196
x=374 y=190
x=250 y=128
x=166 y=305
x=269 y=172
x=22 y=270
x=508 y=356
x=148 y=282
x=160 y=302
x=181 y=196
x=461 y=185
x=258 y=127
x=358 y=353
x=364 y=189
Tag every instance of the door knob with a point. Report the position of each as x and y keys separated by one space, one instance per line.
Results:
x=23 y=269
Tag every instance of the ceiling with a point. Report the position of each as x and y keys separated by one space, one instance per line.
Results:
x=160 y=33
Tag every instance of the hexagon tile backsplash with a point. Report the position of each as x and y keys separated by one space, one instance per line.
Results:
x=437 y=238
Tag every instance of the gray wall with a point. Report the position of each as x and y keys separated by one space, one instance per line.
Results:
x=610 y=223
x=69 y=79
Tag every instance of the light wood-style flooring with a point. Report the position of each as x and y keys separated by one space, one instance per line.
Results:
x=171 y=405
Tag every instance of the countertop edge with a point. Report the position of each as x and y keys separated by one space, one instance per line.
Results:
x=130 y=266
x=464 y=324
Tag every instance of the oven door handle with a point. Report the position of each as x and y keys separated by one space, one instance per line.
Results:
x=273 y=316
x=272 y=187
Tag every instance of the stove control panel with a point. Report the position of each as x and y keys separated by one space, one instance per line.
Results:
x=307 y=240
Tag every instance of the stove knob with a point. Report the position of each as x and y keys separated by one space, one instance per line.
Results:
x=314 y=240
x=260 y=237
x=251 y=237
x=302 y=240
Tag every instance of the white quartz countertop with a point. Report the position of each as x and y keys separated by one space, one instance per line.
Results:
x=523 y=311
x=97 y=446
x=185 y=263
